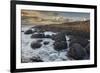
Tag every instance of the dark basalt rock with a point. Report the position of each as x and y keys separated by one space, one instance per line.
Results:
x=58 y=46
x=48 y=36
x=22 y=31
x=59 y=37
x=46 y=43
x=39 y=40
x=77 y=52
x=79 y=40
x=38 y=35
x=28 y=31
x=35 y=45
x=60 y=41
x=36 y=59
x=40 y=31
x=88 y=49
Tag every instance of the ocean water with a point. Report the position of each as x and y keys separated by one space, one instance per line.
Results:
x=45 y=52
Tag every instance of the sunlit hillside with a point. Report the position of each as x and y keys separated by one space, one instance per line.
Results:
x=38 y=17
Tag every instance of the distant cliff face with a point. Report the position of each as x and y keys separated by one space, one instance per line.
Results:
x=77 y=26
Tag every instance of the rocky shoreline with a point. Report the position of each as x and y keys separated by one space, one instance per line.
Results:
x=42 y=44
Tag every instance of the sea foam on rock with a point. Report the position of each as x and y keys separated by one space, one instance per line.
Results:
x=36 y=59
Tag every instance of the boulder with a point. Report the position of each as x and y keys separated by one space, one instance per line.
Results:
x=88 y=49
x=28 y=31
x=35 y=45
x=77 y=52
x=48 y=36
x=39 y=30
x=58 y=46
x=36 y=59
x=38 y=35
x=22 y=30
x=59 y=37
x=46 y=43
x=82 y=41
x=39 y=40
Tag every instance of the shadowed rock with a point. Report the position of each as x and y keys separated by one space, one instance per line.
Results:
x=48 y=36
x=36 y=59
x=79 y=40
x=88 y=49
x=59 y=37
x=77 y=52
x=38 y=35
x=39 y=40
x=22 y=30
x=58 y=46
x=29 y=31
x=35 y=45
x=46 y=43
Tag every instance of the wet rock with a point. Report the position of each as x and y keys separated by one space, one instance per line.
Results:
x=35 y=45
x=39 y=40
x=59 y=37
x=36 y=59
x=38 y=35
x=58 y=46
x=48 y=36
x=79 y=40
x=88 y=49
x=46 y=43
x=77 y=52
x=22 y=30
x=39 y=30
x=28 y=31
